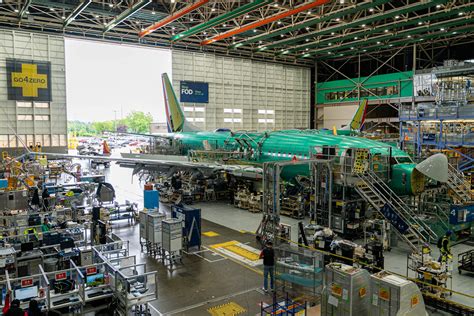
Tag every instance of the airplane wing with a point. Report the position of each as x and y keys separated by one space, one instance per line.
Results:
x=167 y=163
x=163 y=135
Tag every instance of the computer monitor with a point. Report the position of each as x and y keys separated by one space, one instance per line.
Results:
x=63 y=286
x=95 y=280
x=26 y=293
x=67 y=243
x=27 y=246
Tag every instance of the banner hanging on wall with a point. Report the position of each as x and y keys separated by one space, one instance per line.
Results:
x=28 y=80
x=194 y=92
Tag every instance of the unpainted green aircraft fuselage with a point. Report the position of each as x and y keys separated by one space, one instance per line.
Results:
x=295 y=144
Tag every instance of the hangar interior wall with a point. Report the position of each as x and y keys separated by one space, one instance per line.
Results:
x=42 y=123
x=338 y=116
x=243 y=93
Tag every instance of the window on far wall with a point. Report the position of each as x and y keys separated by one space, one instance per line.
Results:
x=193 y=109
x=195 y=119
x=232 y=120
x=25 y=117
x=239 y=111
x=42 y=105
x=41 y=117
x=22 y=104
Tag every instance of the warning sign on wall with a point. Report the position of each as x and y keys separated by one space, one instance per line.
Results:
x=28 y=80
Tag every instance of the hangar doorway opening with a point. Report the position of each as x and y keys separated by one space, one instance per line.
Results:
x=110 y=85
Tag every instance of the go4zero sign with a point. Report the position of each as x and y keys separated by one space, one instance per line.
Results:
x=28 y=80
x=194 y=92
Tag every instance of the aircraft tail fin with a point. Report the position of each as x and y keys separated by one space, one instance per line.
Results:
x=175 y=118
x=359 y=117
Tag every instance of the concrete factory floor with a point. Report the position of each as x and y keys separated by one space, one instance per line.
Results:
x=204 y=279
x=207 y=279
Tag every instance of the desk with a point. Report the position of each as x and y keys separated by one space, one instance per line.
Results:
x=28 y=262
x=61 y=300
x=98 y=293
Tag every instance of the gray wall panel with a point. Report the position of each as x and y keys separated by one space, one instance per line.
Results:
x=246 y=86
x=38 y=47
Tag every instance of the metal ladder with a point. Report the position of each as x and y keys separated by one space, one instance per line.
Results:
x=458 y=185
x=376 y=192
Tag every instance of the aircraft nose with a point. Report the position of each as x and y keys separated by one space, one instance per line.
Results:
x=435 y=167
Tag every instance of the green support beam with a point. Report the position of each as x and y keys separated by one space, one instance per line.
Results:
x=221 y=19
x=126 y=14
x=373 y=18
x=363 y=34
x=291 y=28
x=407 y=34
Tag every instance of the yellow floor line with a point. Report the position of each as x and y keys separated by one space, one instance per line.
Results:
x=238 y=262
x=210 y=234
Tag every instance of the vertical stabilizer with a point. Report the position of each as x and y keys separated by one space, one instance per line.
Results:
x=359 y=117
x=174 y=114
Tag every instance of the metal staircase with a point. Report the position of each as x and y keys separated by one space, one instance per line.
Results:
x=458 y=185
x=405 y=221
x=467 y=160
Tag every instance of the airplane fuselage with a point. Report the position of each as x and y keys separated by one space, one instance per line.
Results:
x=286 y=145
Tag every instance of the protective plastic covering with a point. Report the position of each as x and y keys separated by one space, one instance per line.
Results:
x=391 y=295
x=435 y=167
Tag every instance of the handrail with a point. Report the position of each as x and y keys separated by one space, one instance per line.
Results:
x=399 y=206
x=458 y=177
x=405 y=208
x=403 y=205
x=379 y=193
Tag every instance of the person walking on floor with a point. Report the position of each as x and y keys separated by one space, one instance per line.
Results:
x=444 y=246
x=268 y=256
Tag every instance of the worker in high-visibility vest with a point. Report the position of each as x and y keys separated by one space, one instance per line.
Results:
x=444 y=245
x=31 y=231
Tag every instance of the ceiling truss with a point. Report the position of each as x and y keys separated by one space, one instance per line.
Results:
x=328 y=31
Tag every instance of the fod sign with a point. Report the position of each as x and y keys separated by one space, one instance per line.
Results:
x=194 y=92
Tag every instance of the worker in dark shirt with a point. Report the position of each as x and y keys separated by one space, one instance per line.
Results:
x=15 y=309
x=268 y=256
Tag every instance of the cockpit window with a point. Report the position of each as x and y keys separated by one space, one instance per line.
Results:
x=403 y=159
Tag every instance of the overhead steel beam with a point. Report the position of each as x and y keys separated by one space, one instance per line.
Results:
x=76 y=12
x=407 y=34
x=256 y=24
x=126 y=14
x=344 y=26
x=24 y=9
x=392 y=27
x=363 y=50
x=221 y=18
x=298 y=26
x=434 y=36
x=172 y=17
